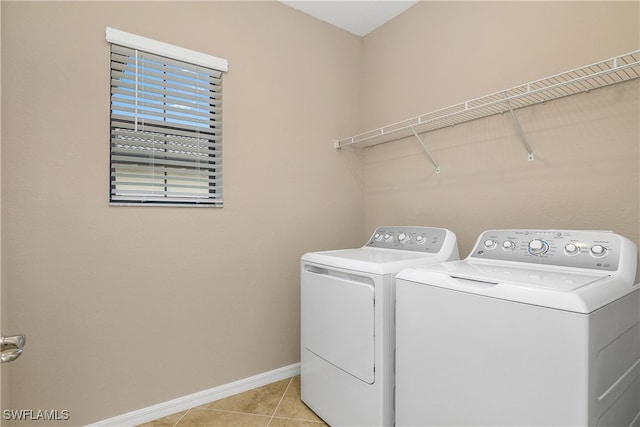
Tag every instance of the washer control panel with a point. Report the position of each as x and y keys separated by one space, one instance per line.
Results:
x=420 y=239
x=583 y=249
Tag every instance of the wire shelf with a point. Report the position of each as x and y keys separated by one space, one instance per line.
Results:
x=604 y=73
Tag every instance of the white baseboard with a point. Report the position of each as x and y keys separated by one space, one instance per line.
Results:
x=160 y=410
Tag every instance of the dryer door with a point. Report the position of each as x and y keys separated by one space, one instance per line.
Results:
x=338 y=319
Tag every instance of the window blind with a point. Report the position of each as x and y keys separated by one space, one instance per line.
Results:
x=166 y=130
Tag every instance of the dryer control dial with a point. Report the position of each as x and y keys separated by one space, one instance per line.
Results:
x=508 y=245
x=538 y=247
x=490 y=244
x=598 y=251
x=571 y=249
x=403 y=238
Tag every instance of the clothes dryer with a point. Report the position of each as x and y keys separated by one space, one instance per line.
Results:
x=347 y=330
x=533 y=328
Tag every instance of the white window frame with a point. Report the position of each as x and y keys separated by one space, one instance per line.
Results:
x=141 y=191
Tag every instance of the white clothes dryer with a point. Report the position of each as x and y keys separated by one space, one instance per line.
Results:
x=347 y=330
x=533 y=328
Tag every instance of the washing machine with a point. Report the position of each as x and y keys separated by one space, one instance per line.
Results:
x=347 y=330
x=533 y=328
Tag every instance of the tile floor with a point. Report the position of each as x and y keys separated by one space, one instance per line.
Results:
x=273 y=405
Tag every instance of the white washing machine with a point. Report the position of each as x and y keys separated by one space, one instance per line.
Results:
x=347 y=330
x=533 y=328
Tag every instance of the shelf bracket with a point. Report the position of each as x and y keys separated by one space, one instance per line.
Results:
x=424 y=147
x=523 y=137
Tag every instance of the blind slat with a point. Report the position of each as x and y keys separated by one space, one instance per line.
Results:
x=132 y=137
x=128 y=64
x=164 y=81
x=127 y=91
x=137 y=178
x=120 y=81
x=155 y=160
x=124 y=122
x=121 y=54
x=143 y=109
x=197 y=154
x=165 y=201
x=146 y=200
x=159 y=126
x=161 y=185
x=159 y=159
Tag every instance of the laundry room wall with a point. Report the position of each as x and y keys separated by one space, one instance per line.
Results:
x=127 y=307
x=586 y=169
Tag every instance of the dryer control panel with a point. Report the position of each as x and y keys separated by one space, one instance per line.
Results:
x=600 y=250
x=421 y=239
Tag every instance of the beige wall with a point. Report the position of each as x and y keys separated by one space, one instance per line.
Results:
x=586 y=169
x=128 y=307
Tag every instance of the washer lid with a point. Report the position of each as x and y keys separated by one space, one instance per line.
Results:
x=525 y=277
x=565 y=289
x=374 y=260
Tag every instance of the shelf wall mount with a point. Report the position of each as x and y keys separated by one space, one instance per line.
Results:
x=516 y=122
x=426 y=150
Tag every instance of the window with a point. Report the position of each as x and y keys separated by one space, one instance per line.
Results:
x=166 y=124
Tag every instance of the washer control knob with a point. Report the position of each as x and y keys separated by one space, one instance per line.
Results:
x=377 y=237
x=420 y=239
x=508 y=245
x=403 y=238
x=490 y=244
x=538 y=247
x=598 y=250
x=388 y=237
x=571 y=249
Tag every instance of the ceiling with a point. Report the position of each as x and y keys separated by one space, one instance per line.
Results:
x=359 y=17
